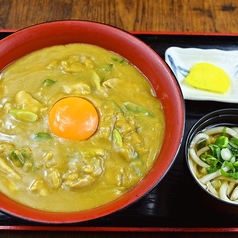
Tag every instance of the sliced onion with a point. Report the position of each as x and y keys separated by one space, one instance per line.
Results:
x=226 y=154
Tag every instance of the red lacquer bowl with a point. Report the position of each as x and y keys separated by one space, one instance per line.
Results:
x=139 y=54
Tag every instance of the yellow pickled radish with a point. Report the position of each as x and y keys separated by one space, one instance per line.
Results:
x=209 y=77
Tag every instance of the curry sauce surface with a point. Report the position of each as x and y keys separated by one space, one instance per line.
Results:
x=47 y=172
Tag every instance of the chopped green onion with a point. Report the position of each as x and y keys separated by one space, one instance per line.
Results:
x=115 y=59
x=48 y=82
x=17 y=158
x=106 y=67
x=96 y=80
x=224 y=130
x=26 y=153
x=235 y=164
x=211 y=170
x=215 y=151
x=209 y=159
x=222 y=141
x=120 y=109
x=24 y=115
x=234 y=175
x=201 y=144
x=222 y=154
x=120 y=61
x=229 y=165
x=124 y=62
x=233 y=147
x=137 y=109
x=43 y=135
x=234 y=140
x=117 y=137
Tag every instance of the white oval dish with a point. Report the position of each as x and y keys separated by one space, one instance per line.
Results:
x=180 y=60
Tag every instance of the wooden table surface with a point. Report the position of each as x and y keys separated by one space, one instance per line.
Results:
x=139 y=15
x=209 y=16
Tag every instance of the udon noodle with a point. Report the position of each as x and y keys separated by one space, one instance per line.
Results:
x=213 y=158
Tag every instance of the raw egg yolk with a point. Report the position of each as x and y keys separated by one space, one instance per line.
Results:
x=73 y=118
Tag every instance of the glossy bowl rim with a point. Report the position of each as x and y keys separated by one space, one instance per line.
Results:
x=142 y=188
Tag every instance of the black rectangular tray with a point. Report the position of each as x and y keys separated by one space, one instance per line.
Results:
x=175 y=204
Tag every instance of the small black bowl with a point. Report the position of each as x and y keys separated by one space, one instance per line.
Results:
x=223 y=117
